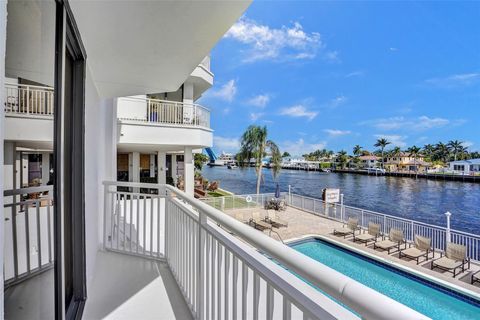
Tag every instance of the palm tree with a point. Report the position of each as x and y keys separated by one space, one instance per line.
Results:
x=429 y=151
x=414 y=152
x=441 y=151
x=396 y=152
x=357 y=150
x=342 y=158
x=455 y=147
x=382 y=143
x=254 y=144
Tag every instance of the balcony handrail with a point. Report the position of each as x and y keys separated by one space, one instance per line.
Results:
x=367 y=302
x=28 y=100
x=170 y=112
x=166 y=102
x=8 y=84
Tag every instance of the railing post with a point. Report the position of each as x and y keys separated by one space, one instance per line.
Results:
x=222 y=204
x=384 y=224
x=448 y=233
x=202 y=222
x=342 y=207
x=411 y=231
x=363 y=217
x=289 y=194
x=28 y=99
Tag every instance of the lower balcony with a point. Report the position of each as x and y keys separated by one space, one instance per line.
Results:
x=166 y=255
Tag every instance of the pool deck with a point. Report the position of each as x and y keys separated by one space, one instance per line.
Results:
x=303 y=224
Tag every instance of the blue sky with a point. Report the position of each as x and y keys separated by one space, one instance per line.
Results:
x=335 y=74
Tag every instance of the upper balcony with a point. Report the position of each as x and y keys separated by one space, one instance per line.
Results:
x=143 y=121
x=29 y=114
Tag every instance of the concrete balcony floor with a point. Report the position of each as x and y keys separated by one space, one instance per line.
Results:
x=127 y=287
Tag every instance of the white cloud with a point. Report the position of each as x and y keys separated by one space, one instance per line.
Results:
x=226 y=144
x=300 y=147
x=259 y=101
x=226 y=92
x=337 y=101
x=336 y=132
x=270 y=43
x=401 y=123
x=357 y=73
x=455 y=80
x=298 y=111
x=393 y=49
x=332 y=56
x=395 y=140
x=255 y=116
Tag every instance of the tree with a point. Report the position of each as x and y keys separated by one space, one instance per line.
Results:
x=455 y=147
x=441 y=152
x=414 y=151
x=429 y=151
x=254 y=144
x=342 y=158
x=382 y=143
x=396 y=152
x=285 y=154
x=198 y=160
x=357 y=150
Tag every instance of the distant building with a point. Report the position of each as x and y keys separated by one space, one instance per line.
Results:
x=370 y=161
x=404 y=162
x=471 y=166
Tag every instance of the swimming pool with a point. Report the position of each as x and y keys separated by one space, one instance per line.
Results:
x=424 y=296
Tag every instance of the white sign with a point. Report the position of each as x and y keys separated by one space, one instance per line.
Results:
x=332 y=195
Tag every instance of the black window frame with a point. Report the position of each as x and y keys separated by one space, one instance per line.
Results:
x=67 y=39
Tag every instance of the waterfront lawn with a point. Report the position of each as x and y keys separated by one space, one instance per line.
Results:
x=231 y=202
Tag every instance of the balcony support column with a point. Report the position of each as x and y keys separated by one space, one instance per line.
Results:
x=152 y=166
x=45 y=168
x=188 y=171
x=134 y=167
x=161 y=162
x=174 y=169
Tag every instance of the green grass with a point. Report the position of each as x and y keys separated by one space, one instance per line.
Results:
x=230 y=203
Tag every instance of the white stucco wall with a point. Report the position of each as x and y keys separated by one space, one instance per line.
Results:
x=31 y=41
x=99 y=161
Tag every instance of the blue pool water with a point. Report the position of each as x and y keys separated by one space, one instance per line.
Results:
x=423 y=296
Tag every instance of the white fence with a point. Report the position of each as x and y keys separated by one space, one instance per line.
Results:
x=410 y=228
x=28 y=243
x=28 y=100
x=173 y=113
x=222 y=266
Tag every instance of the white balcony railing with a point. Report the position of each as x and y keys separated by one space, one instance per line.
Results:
x=28 y=100
x=28 y=248
x=171 y=113
x=228 y=270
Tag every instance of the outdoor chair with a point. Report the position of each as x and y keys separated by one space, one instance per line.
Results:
x=455 y=258
x=274 y=220
x=348 y=228
x=476 y=277
x=422 y=246
x=371 y=234
x=257 y=223
x=394 y=241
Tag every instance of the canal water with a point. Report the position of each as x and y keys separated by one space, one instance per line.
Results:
x=421 y=199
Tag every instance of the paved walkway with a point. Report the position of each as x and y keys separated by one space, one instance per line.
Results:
x=301 y=224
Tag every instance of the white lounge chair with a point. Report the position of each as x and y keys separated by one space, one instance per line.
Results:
x=274 y=220
x=372 y=234
x=422 y=246
x=348 y=228
x=394 y=241
x=257 y=222
x=476 y=277
x=455 y=258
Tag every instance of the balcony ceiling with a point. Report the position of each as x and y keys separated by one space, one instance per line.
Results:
x=138 y=47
